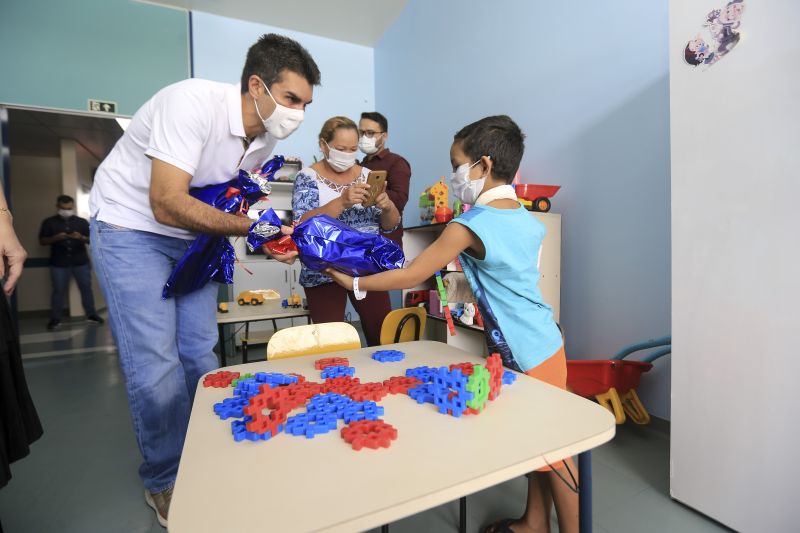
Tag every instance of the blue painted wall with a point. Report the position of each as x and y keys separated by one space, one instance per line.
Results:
x=588 y=83
x=348 y=78
x=59 y=54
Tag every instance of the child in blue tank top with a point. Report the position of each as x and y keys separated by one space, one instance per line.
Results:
x=498 y=243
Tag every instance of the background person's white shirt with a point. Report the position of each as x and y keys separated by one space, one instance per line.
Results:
x=195 y=125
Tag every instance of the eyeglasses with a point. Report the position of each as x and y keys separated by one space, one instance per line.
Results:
x=368 y=133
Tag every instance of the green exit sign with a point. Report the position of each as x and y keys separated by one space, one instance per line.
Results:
x=102 y=106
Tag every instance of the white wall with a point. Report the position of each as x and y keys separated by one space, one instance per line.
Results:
x=35 y=184
x=77 y=168
x=348 y=82
x=735 y=314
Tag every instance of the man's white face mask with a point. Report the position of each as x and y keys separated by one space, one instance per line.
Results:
x=283 y=121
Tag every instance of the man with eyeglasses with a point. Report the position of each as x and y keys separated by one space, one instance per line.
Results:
x=192 y=133
x=373 y=130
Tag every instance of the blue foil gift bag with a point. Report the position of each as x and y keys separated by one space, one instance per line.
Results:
x=325 y=242
x=211 y=257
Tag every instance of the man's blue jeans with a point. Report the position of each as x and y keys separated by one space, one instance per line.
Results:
x=60 y=278
x=165 y=346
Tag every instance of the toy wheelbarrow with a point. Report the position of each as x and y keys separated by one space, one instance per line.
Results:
x=537 y=197
x=613 y=382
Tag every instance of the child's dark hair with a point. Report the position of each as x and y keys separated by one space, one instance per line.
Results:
x=376 y=117
x=272 y=54
x=64 y=199
x=500 y=138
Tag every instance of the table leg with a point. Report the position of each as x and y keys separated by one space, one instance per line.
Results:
x=462 y=515
x=385 y=528
x=585 y=495
x=222 y=356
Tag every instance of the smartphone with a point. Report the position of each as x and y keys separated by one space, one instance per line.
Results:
x=376 y=179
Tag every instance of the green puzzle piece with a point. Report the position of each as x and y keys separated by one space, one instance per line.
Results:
x=478 y=385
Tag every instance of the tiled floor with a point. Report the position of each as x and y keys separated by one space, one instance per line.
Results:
x=82 y=475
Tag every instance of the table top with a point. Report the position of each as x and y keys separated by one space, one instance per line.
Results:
x=250 y=313
x=292 y=483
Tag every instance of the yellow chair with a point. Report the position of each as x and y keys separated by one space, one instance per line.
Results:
x=394 y=325
x=313 y=339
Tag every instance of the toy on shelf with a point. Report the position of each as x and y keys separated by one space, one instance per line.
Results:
x=416 y=298
x=468 y=316
x=256 y=296
x=431 y=200
x=443 y=298
x=222 y=307
x=536 y=197
x=427 y=207
x=443 y=214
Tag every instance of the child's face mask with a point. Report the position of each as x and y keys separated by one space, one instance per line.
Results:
x=465 y=189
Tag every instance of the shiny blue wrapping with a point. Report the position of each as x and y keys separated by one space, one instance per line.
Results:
x=266 y=228
x=211 y=257
x=325 y=242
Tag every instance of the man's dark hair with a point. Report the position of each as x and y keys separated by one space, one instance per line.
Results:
x=500 y=138
x=377 y=117
x=64 y=199
x=272 y=54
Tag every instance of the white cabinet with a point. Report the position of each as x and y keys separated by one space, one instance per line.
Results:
x=416 y=239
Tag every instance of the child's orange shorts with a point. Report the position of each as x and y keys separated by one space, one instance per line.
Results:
x=554 y=372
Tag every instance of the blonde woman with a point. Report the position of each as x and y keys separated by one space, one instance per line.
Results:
x=336 y=186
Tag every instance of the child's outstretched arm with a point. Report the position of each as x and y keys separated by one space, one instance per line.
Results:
x=454 y=239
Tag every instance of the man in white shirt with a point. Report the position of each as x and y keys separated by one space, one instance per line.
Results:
x=190 y=134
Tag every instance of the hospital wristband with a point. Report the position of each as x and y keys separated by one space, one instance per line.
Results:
x=360 y=295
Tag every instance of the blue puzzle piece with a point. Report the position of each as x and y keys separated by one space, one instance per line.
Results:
x=240 y=433
x=422 y=393
x=446 y=382
x=329 y=403
x=509 y=377
x=338 y=372
x=367 y=410
x=230 y=408
x=311 y=424
x=423 y=373
x=388 y=356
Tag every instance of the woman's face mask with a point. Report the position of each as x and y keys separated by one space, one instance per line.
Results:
x=338 y=160
x=465 y=189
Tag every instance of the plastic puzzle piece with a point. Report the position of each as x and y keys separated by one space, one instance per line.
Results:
x=388 y=356
x=367 y=410
x=341 y=385
x=230 y=408
x=400 y=384
x=220 y=379
x=338 y=371
x=241 y=378
x=466 y=368
x=329 y=403
x=371 y=434
x=509 y=377
x=450 y=381
x=422 y=393
x=311 y=424
x=478 y=385
x=423 y=373
x=322 y=364
x=368 y=391
x=494 y=364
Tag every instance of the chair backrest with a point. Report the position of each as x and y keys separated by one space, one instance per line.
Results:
x=403 y=325
x=312 y=340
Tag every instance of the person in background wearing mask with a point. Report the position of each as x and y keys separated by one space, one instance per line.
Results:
x=190 y=134
x=67 y=235
x=336 y=186
x=373 y=131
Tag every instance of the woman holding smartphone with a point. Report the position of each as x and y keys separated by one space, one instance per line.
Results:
x=336 y=186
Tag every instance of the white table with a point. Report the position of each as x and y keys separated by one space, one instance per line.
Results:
x=269 y=310
x=296 y=484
